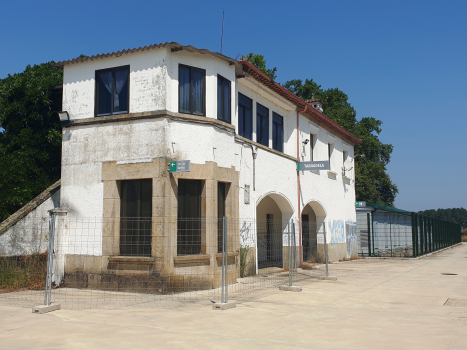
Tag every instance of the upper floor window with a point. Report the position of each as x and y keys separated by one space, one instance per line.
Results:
x=245 y=120
x=223 y=99
x=330 y=150
x=312 y=146
x=262 y=125
x=277 y=132
x=112 y=91
x=191 y=90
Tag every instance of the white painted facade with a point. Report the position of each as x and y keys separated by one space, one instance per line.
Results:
x=30 y=235
x=154 y=87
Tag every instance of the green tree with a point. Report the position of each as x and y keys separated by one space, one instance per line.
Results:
x=456 y=215
x=372 y=182
x=259 y=62
x=30 y=135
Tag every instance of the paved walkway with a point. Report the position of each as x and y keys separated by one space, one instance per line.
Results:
x=374 y=304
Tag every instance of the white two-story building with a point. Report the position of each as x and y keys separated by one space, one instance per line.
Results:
x=133 y=112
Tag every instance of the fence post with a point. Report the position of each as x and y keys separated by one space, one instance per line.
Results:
x=290 y=255
x=48 y=278
x=369 y=235
x=294 y=247
x=225 y=265
x=224 y=304
x=326 y=251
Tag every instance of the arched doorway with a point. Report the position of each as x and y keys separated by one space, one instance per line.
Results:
x=313 y=217
x=273 y=213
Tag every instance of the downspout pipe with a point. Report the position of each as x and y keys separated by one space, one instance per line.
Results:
x=298 y=183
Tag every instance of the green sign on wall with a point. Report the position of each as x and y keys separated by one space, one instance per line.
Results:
x=179 y=166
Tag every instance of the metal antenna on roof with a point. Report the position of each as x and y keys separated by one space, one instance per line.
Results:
x=222 y=35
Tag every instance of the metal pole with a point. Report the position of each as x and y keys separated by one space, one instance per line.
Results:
x=223 y=264
x=294 y=245
x=52 y=261
x=326 y=251
x=226 y=250
x=290 y=255
x=412 y=217
x=49 y=260
x=369 y=235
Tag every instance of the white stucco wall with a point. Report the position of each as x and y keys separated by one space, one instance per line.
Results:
x=154 y=86
x=213 y=68
x=148 y=76
x=31 y=234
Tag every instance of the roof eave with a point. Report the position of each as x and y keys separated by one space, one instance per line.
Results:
x=302 y=106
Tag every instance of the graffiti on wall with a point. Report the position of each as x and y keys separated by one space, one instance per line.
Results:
x=351 y=231
x=336 y=227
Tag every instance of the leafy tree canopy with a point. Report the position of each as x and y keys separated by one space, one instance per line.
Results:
x=259 y=62
x=372 y=182
x=456 y=215
x=30 y=135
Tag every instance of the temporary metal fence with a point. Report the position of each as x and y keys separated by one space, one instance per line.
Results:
x=403 y=234
x=149 y=262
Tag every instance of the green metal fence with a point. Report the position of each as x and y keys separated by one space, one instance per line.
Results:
x=390 y=232
x=430 y=234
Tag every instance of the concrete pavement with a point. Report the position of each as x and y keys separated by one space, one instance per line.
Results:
x=374 y=304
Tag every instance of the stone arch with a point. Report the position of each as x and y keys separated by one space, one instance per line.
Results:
x=273 y=212
x=313 y=221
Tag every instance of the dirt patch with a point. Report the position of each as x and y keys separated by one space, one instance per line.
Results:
x=23 y=272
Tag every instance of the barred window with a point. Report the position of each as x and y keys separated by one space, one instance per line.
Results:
x=189 y=217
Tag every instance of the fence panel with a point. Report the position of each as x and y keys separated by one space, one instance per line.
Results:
x=154 y=262
x=23 y=262
x=402 y=235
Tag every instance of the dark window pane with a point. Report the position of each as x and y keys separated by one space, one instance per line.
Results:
x=265 y=130
x=104 y=103
x=221 y=197
x=241 y=120
x=245 y=112
x=135 y=218
x=121 y=91
x=189 y=217
x=184 y=83
x=278 y=132
x=259 y=128
x=262 y=111
x=226 y=98
x=248 y=127
x=311 y=146
x=219 y=98
x=198 y=91
x=262 y=125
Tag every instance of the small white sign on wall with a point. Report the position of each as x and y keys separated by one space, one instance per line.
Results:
x=320 y=238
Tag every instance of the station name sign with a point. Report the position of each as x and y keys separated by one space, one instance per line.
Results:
x=179 y=166
x=317 y=165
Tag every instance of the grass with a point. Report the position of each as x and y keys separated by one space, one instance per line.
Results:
x=23 y=272
x=244 y=251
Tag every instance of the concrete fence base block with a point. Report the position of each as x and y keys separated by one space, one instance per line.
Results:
x=327 y=278
x=224 y=306
x=42 y=309
x=290 y=288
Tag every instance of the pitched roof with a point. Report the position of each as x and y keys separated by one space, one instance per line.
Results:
x=173 y=46
x=302 y=106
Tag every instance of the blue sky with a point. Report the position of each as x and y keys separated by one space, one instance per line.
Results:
x=403 y=62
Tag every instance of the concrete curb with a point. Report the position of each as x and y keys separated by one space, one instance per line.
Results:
x=43 y=309
x=224 y=306
x=290 y=288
